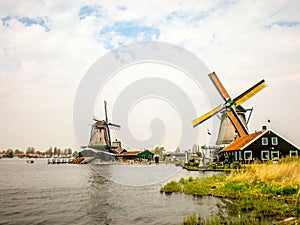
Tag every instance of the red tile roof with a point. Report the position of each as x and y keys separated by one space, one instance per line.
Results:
x=130 y=153
x=241 y=142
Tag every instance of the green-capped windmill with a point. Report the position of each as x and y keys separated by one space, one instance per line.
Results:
x=233 y=114
x=100 y=133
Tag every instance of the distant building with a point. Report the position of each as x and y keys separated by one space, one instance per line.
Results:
x=135 y=155
x=117 y=144
x=127 y=155
x=263 y=145
x=147 y=155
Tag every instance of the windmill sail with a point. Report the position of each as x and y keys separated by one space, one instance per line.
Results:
x=249 y=93
x=213 y=76
x=208 y=115
x=230 y=106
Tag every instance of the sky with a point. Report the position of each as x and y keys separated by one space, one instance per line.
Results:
x=47 y=47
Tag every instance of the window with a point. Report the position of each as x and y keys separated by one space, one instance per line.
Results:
x=248 y=155
x=293 y=153
x=274 y=140
x=236 y=156
x=275 y=155
x=265 y=155
x=264 y=141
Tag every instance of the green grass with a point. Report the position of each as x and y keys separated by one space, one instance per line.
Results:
x=263 y=192
x=217 y=220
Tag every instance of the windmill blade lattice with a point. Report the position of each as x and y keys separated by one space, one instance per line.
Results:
x=230 y=105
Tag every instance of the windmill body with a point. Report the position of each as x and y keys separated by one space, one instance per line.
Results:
x=100 y=134
x=227 y=132
x=233 y=123
x=100 y=146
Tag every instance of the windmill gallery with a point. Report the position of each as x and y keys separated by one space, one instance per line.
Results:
x=234 y=142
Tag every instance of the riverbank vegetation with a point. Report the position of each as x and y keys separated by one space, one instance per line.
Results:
x=31 y=152
x=262 y=192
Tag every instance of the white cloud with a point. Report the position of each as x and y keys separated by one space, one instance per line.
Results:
x=41 y=64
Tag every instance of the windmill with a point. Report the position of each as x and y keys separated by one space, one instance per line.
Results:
x=233 y=117
x=100 y=133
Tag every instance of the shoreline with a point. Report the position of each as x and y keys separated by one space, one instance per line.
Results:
x=265 y=192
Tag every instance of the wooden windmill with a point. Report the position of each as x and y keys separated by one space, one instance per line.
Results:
x=233 y=117
x=100 y=133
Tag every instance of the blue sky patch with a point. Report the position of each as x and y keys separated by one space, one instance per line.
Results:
x=122 y=7
x=193 y=17
x=26 y=21
x=186 y=16
x=283 y=24
x=130 y=30
x=90 y=10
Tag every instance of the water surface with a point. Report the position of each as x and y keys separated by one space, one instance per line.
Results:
x=39 y=193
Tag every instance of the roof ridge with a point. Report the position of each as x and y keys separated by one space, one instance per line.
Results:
x=241 y=141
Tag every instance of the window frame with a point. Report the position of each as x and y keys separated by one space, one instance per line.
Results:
x=275 y=158
x=264 y=141
x=274 y=141
x=262 y=154
x=294 y=151
x=251 y=157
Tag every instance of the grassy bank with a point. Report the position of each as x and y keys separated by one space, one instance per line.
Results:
x=262 y=191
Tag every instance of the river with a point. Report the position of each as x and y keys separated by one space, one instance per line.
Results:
x=39 y=193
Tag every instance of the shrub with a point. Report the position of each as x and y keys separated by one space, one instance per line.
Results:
x=236 y=165
x=172 y=186
x=289 y=190
x=182 y=180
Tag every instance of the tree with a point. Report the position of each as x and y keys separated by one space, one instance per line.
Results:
x=30 y=150
x=158 y=150
x=17 y=151
x=59 y=151
x=9 y=153
x=75 y=154
x=49 y=151
x=69 y=151
x=55 y=151
x=199 y=154
x=39 y=152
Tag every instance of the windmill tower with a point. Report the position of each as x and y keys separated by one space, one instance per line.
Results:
x=233 y=123
x=227 y=132
x=100 y=133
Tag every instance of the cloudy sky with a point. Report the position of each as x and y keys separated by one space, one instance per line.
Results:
x=48 y=46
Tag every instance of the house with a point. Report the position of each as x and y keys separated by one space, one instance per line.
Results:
x=135 y=155
x=146 y=155
x=263 y=145
x=127 y=155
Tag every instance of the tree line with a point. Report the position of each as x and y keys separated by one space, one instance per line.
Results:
x=32 y=152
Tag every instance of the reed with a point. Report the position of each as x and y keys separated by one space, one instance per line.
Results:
x=284 y=173
x=264 y=190
x=217 y=220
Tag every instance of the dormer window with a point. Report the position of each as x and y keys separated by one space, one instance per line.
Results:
x=264 y=141
x=274 y=140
